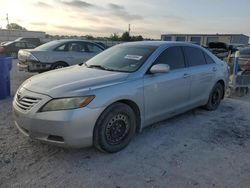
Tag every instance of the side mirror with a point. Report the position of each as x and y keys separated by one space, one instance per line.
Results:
x=159 y=68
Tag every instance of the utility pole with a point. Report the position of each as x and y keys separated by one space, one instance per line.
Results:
x=129 y=29
x=7 y=19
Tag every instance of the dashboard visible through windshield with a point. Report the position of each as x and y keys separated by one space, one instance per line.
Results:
x=123 y=58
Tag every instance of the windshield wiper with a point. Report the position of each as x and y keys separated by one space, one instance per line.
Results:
x=96 y=66
x=100 y=67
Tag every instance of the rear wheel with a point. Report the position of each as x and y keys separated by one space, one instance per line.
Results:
x=114 y=128
x=215 y=97
x=59 y=65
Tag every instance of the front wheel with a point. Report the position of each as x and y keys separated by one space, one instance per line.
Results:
x=114 y=128
x=215 y=97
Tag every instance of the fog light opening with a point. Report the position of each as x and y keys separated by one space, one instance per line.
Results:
x=55 y=138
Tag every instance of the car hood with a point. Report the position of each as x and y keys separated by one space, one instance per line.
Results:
x=72 y=81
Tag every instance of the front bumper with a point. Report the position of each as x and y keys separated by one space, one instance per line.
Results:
x=68 y=128
x=33 y=67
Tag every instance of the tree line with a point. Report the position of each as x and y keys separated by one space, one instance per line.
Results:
x=125 y=37
x=114 y=37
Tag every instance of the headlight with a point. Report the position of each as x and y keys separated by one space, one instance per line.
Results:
x=67 y=103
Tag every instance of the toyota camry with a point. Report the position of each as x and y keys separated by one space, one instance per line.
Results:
x=108 y=99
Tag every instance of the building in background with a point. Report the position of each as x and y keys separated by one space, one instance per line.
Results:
x=10 y=35
x=204 y=39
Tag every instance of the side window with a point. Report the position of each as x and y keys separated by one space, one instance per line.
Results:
x=17 y=45
x=194 y=56
x=30 y=45
x=75 y=47
x=78 y=47
x=62 y=48
x=20 y=45
x=172 y=56
x=93 y=48
x=209 y=60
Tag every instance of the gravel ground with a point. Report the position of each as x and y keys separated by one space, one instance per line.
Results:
x=195 y=149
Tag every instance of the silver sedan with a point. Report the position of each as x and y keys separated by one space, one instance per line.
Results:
x=105 y=101
x=57 y=54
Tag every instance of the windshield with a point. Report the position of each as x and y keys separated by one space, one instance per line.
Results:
x=48 y=45
x=122 y=58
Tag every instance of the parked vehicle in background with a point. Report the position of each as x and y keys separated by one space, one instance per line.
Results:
x=57 y=54
x=101 y=44
x=2 y=43
x=235 y=47
x=244 y=59
x=240 y=73
x=223 y=50
x=11 y=48
x=35 y=41
x=220 y=49
x=118 y=92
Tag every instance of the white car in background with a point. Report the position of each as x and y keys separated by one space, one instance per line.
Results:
x=57 y=54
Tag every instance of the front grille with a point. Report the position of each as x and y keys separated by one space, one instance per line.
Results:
x=26 y=103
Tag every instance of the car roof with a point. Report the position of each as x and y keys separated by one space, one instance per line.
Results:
x=159 y=43
x=72 y=40
x=12 y=42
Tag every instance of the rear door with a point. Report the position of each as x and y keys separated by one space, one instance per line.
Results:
x=93 y=50
x=166 y=93
x=60 y=53
x=18 y=45
x=83 y=51
x=202 y=70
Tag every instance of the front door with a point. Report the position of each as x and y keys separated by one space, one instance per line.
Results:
x=166 y=93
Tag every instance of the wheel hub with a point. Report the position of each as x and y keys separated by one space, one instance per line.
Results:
x=117 y=129
x=216 y=97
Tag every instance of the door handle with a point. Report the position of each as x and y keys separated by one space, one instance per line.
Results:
x=214 y=69
x=186 y=75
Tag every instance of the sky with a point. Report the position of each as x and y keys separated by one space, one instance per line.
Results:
x=146 y=17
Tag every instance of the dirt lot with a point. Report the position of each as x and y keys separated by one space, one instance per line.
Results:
x=196 y=149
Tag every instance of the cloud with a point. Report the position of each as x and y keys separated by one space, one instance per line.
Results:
x=120 y=12
x=74 y=28
x=77 y=4
x=42 y=4
x=39 y=23
x=174 y=19
x=110 y=29
x=104 y=29
x=115 y=6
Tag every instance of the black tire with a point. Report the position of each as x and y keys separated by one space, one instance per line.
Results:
x=59 y=65
x=215 y=97
x=115 y=128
